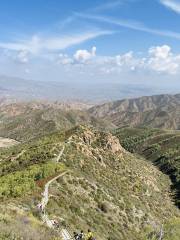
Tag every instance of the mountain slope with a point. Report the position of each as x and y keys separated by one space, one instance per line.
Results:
x=107 y=189
x=158 y=146
x=161 y=111
x=23 y=121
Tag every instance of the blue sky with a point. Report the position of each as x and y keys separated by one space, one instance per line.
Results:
x=92 y=41
x=27 y=18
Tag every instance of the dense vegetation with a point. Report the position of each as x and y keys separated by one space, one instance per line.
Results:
x=132 y=138
x=162 y=147
x=21 y=156
x=23 y=182
x=23 y=170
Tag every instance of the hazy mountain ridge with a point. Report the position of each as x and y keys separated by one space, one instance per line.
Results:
x=161 y=111
x=93 y=92
x=24 y=120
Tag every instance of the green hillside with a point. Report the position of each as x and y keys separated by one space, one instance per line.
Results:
x=24 y=121
x=162 y=147
x=117 y=195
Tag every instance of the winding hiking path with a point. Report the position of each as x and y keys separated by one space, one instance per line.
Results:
x=63 y=232
x=45 y=199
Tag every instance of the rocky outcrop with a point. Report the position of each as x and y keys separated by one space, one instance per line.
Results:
x=92 y=141
x=113 y=144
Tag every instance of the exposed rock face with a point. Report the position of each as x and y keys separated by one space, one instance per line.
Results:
x=88 y=136
x=113 y=144
x=91 y=141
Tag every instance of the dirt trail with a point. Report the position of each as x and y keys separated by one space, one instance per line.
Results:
x=60 y=154
x=44 y=201
x=50 y=223
x=57 y=159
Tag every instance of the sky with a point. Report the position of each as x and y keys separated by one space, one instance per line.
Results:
x=99 y=42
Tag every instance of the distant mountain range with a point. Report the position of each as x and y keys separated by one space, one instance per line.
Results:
x=24 y=120
x=160 y=111
x=93 y=92
x=21 y=89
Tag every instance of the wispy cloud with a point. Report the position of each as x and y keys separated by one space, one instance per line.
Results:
x=63 y=23
x=171 y=4
x=109 y=5
x=112 y=4
x=131 y=25
x=37 y=44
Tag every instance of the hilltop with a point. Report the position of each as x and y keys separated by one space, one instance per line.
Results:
x=116 y=194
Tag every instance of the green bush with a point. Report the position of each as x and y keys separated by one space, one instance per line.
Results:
x=22 y=182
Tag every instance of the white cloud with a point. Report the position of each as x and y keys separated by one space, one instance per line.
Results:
x=31 y=46
x=22 y=56
x=172 y=4
x=64 y=59
x=38 y=44
x=80 y=56
x=128 y=61
x=60 y=43
x=83 y=56
x=161 y=52
x=125 y=59
x=158 y=59
x=162 y=60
